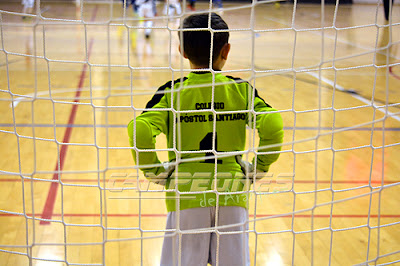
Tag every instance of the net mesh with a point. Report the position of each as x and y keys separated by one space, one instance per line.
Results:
x=73 y=74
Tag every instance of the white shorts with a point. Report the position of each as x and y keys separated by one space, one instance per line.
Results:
x=172 y=9
x=201 y=248
x=28 y=3
x=146 y=10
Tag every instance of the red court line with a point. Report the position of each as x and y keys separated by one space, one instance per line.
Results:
x=159 y=215
x=51 y=196
x=76 y=180
x=392 y=73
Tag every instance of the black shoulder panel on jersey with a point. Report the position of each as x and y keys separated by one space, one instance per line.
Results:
x=258 y=96
x=239 y=80
x=160 y=93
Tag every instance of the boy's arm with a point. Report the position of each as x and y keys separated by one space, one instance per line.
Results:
x=270 y=131
x=148 y=125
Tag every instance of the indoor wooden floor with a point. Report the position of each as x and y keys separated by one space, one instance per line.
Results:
x=50 y=96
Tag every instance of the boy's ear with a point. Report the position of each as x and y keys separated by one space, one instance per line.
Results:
x=180 y=51
x=225 y=51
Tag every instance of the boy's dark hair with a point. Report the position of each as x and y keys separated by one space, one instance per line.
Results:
x=196 y=44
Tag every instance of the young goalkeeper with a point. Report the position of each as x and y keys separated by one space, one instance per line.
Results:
x=203 y=141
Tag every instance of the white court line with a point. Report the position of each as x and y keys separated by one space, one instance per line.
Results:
x=31 y=95
x=337 y=86
x=45 y=92
x=355 y=96
x=333 y=38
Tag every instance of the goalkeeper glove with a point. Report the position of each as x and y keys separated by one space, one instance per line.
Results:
x=169 y=168
x=161 y=179
x=248 y=169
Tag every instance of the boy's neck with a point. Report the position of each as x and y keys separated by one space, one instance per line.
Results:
x=216 y=66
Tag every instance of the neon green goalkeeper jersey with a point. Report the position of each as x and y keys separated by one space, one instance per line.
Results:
x=204 y=117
